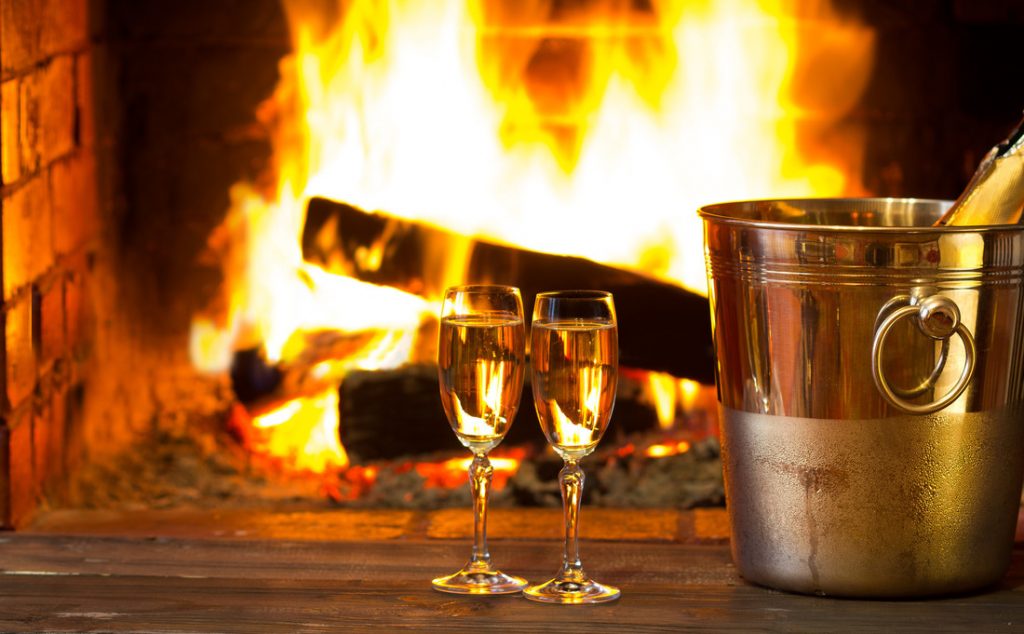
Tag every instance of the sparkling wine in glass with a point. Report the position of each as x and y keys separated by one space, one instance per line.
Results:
x=481 y=366
x=574 y=354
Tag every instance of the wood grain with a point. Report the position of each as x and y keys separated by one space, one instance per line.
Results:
x=662 y=326
x=162 y=580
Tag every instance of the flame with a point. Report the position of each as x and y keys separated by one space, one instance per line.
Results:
x=590 y=129
x=301 y=435
x=491 y=386
x=445 y=112
x=570 y=433
x=670 y=396
x=592 y=383
x=661 y=390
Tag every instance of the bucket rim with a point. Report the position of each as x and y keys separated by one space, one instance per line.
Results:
x=717 y=212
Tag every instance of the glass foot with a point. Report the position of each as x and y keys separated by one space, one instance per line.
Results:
x=571 y=592
x=471 y=580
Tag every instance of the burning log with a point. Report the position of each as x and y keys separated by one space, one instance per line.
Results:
x=262 y=386
x=388 y=414
x=662 y=327
x=392 y=413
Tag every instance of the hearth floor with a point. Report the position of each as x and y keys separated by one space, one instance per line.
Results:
x=361 y=570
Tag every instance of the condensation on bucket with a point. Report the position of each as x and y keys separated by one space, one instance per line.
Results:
x=892 y=507
x=833 y=486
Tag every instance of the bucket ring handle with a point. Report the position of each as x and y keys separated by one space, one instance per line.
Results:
x=939 y=318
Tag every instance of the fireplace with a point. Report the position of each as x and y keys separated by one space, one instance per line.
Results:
x=130 y=130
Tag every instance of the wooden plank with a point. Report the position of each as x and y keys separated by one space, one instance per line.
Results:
x=264 y=587
x=407 y=561
x=308 y=571
x=347 y=524
x=305 y=524
x=598 y=524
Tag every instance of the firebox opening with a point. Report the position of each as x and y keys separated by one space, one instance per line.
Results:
x=226 y=229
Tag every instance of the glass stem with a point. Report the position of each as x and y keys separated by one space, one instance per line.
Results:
x=572 y=479
x=480 y=472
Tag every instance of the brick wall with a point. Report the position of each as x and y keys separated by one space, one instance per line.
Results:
x=48 y=205
x=123 y=126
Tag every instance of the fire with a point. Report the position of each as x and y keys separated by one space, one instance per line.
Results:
x=670 y=395
x=591 y=129
x=656 y=450
x=300 y=435
x=454 y=473
x=663 y=450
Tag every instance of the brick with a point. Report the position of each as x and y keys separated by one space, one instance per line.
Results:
x=47 y=114
x=20 y=31
x=73 y=196
x=29 y=123
x=41 y=466
x=33 y=30
x=66 y=25
x=27 y=237
x=57 y=108
x=23 y=491
x=36 y=298
x=72 y=301
x=85 y=113
x=19 y=355
x=10 y=154
x=47 y=447
x=57 y=434
x=78 y=324
x=69 y=411
x=50 y=323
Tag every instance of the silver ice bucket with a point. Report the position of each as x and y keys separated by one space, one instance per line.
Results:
x=871 y=379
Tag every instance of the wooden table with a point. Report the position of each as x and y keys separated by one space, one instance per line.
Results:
x=345 y=570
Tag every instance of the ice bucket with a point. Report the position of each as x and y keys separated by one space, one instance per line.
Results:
x=870 y=372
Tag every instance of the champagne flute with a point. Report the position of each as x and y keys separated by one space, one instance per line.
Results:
x=574 y=354
x=481 y=366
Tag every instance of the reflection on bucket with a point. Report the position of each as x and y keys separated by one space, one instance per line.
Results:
x=871 y=378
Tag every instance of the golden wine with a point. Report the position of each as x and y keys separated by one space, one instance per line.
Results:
x=481 y=366
x=575 y=372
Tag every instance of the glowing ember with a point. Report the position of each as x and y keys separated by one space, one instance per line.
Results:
x=591 y=129
x=454 y=472
x=663 y=450
x=625 y=450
